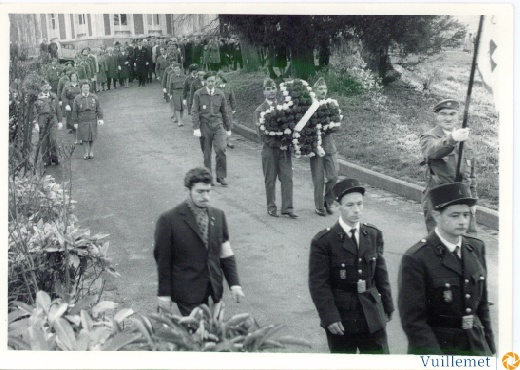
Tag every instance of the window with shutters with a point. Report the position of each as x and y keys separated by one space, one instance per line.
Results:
x=120 y=20
x=153 y=19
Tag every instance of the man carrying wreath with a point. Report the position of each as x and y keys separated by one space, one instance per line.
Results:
x=276 y=163
x=324 y=170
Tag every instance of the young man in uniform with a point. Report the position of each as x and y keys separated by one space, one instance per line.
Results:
x=348 y=278
x=192 y=250
x=440 y=150
x=48 y=119
x=443 y=301
x=193 y=70
x=276 y=163
x=211 y=124
x=324 y=170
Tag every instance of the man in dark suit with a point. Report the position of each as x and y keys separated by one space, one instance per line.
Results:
x=192 y=249
x=276 y=163
x=142 y=61
x=443 y=300
x=348 y=278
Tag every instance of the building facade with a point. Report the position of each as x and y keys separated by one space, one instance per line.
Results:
x=93 y=29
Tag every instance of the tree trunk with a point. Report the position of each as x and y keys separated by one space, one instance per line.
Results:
x=302 y=61
x=250 y=56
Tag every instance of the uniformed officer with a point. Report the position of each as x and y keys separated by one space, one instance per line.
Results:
x=443 y=300
x=276 y=163
x=324 y=170
x=348 y=278
x=48 y=119
x=440 y=149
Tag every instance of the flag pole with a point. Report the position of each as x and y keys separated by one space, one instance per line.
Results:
x=458 y=176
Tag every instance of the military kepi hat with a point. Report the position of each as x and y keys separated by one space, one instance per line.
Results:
x=446 y=195
x=347 y=186
x=446 y=104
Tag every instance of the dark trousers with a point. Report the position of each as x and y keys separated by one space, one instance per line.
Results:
x=186 y=308
x=367 y=343
x=324 y=172
x=214 y=138
x=277 y=164
x=109 y=82
x=48 y=149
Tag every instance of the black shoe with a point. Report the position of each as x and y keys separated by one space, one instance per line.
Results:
x=273 y=213
x=320 y=212
x=328 y=209
x=71 y=131
x=55 y=162
x=231 y=146
x=290 y=214
x=222 y=181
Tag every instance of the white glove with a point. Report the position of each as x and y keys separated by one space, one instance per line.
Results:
x=135 y=64
x=184 y=102
x=67 y=108
x=119 y=67
x=158 y=78
x=233 y=111
x=36 y=127
x=461 y=134
x=164 y=90
x=165 y=304
x=228 y=133
x=197 y=133
x=60 y=125
x=61 y=103
x=237 y=292
x=75 y=126
x=100 y=122
x=146 y=63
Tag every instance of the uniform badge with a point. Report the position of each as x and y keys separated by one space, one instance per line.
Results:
x=467 y=321
x=342 y=272
x=447 y=294
x=361 y=286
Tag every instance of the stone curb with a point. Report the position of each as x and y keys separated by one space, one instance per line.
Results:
x=485 y=216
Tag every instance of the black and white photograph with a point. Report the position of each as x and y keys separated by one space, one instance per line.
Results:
x=303 y=185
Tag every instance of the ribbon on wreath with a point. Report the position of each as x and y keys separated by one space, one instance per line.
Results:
x=307 y=116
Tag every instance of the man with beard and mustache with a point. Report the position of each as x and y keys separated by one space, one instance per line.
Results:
x=192 y=250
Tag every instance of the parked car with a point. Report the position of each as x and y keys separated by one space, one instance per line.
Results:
x=66 y=51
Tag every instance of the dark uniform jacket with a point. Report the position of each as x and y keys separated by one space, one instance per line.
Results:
x=48 y=104
x=335 y=266
x=441 y=153
x=185 y=266
x=435 y=292
x=256 y=118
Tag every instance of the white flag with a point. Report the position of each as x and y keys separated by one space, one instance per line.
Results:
x=490 y=56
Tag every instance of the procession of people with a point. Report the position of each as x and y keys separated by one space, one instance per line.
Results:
x=442 y=295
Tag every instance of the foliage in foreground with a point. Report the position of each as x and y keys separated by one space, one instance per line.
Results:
x=46 y=248
x=85 y=326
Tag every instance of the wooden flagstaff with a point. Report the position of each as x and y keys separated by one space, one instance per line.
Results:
x=458 y=176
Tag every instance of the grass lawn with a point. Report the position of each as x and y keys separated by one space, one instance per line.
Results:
x=386 y=139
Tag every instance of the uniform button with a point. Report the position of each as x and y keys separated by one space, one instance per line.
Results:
x=466 y=281
x=360 y=272
x=468 y=310
x=468 y=296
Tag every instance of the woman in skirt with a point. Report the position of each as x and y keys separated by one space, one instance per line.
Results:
x=87 y=114
x=70 y=91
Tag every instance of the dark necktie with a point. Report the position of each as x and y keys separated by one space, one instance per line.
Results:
x=353 y=237
x=456 y=253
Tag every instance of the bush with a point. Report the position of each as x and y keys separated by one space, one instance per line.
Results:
x=84 y=326
x=46 y=249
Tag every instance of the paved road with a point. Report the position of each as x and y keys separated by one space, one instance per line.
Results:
x=137 y=173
